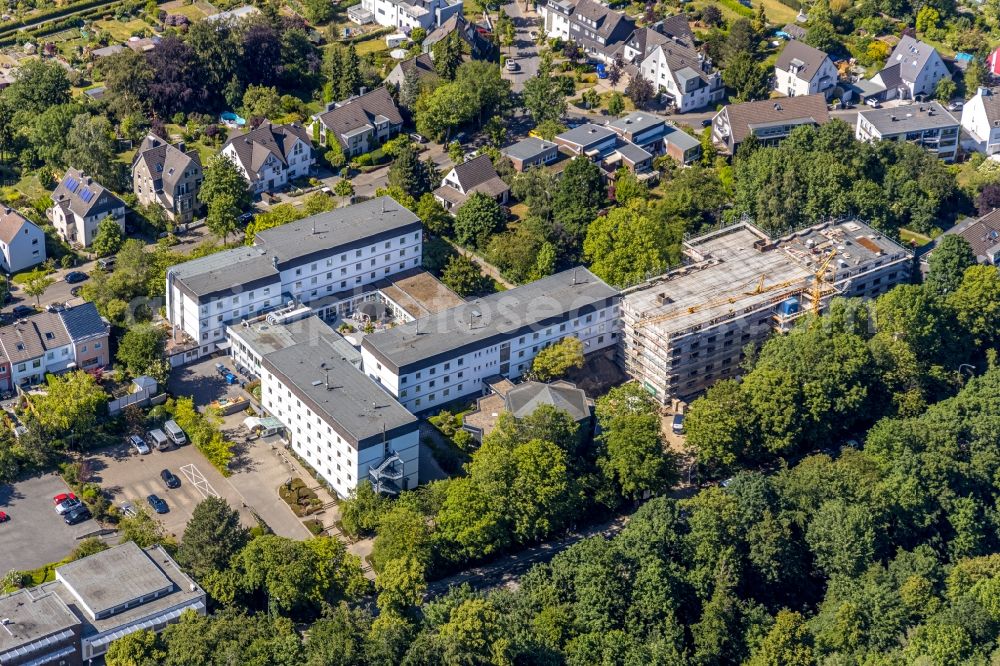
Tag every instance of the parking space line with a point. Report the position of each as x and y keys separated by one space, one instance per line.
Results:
x=198 y=480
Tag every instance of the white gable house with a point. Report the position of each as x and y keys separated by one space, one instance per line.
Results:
x=804 y=70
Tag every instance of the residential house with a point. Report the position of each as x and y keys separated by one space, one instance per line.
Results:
x=983 y=235
x=770 y=120
x=361 y=123
x=669 y=59
x=271 y=156
x=531 y=152
x=142 y=44
x=107 y=51
x=422 y=65
x=684 y=148
x=928 y=125
x=598 y=30
x=591 y=140
x=92 y=602
x=453 y=353
x=523 y=400
x=641 y=128
x=981 y=121
x=476 y=37
x=406 y=15
x=804 y=70
x=303 y=261
x=233 y=15
x=167 y=176
x=475 y=175
x=913 y=68
x=52 y=342
x=22 y=243
x=79 y=203
x=628 y=156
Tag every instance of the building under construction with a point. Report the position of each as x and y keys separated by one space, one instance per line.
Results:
x=686 y=329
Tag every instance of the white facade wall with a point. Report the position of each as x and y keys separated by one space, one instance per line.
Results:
x=323 y=448
x=407 y=17
x=657 y=70
x=792 y=85
x=985 y=135
x=83 y=230
x=26 y=249
x=274 y=175
x=53 y=360
x=462 y=374
x=205 y=322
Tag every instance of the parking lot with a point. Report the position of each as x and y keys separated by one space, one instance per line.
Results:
x=35 y=535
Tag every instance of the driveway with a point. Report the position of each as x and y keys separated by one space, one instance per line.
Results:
x=524 y=49
x=365 y=184
x=35 y=535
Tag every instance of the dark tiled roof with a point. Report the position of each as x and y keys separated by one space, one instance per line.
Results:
x=83 y=321
x=677 y=26
x=423 y=65
x=254 y=147
x=360 y=111
x=891 y=77
x=794 y=31
x=164 y=161
x=773 y=111
x=911 y=55
x=475 y=172
x=523 y=400
x=83 y=195
x=806 y=57
x=982 y=234
x=33 y=336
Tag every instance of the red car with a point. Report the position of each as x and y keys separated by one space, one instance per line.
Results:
x=62 y=497
x=4 y=517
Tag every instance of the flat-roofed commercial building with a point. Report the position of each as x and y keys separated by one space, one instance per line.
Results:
x=92 y=602
x=686 y=329
x=447 y=355
x=928 y=125
x=304 y=261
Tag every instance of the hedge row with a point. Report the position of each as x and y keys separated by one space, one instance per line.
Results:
x=737 y=7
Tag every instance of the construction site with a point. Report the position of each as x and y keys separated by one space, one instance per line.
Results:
x=688 y=328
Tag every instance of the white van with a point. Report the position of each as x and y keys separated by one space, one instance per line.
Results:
x=158 y=439
x=175 y=433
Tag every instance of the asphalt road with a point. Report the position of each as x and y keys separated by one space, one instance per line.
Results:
x=524 y=50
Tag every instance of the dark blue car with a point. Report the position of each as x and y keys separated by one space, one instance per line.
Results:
x=75 y=276
x=159 y=505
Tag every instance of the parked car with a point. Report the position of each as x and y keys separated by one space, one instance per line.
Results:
x=127 y=509
x=706 y=122
x=678 y=424
x=872 y=102
x=141 y=447
x=221 y=369
x=158 y=503
x=230 y=378
x=23 y=311
x=67 y=506
x=62 y=497
x=418 y=138
x=956 y=105
x=78 y=515
x=55 y=307
x=245 y=218
x=4 y=517
x=512 y=65
x=602 y=72
x=170 y=479
x=159 y=439
x=174 y=432
x=75 y=291
x=75 y=276
x=107 y=263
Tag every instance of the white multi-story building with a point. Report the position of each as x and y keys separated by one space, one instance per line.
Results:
x=913 y=68
x=804 y=70
x=597 y=29
x=928 y=125
x=981 y=120
x=409 y=14
x=314 y=258
x=448 y=355
x=344 y=425
x=79 y=203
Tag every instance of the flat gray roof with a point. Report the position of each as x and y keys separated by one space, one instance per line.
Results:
x=636 y=122
x=33 y=614
x=632 y=152
x=112 y=578
x=527 y=148
x=265 y=338
x=490 y=319
x=586 y=134
x=222 y=271
x=361 y=224
x=352 y=403
x=681 y=139
x=909 y=118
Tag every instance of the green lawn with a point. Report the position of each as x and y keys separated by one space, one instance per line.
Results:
x=31 y=188
x=777 y=12
x=121 y=31
x=908 y=236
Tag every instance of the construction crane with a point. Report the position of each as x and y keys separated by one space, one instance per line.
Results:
x=759 y=289
x=819 y=280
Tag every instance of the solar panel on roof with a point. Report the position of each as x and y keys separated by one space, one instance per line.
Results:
x=86 y=195
x=72 y=184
